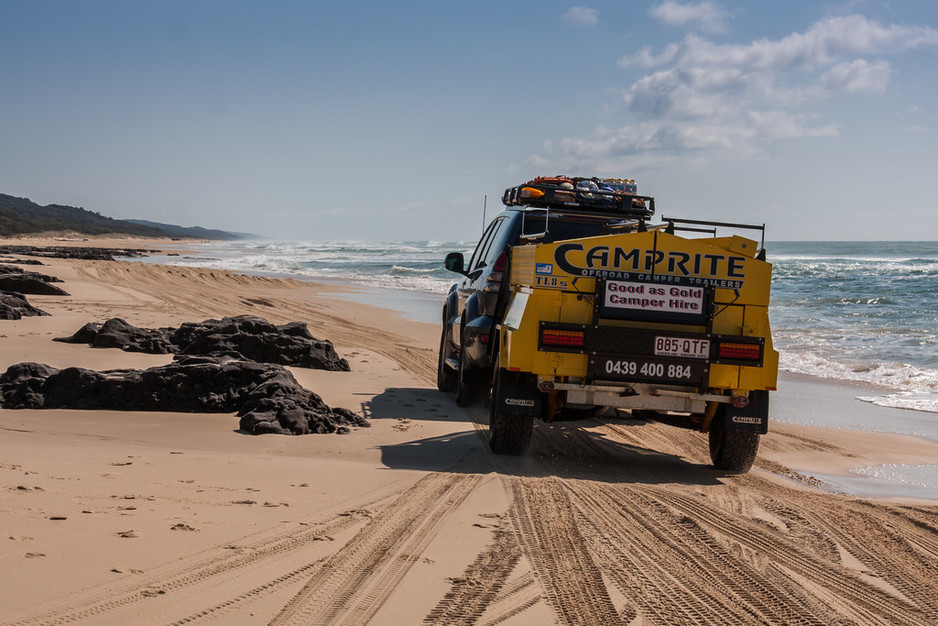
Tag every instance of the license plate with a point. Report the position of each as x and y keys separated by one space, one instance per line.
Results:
x=682 y=347
x=646 y=369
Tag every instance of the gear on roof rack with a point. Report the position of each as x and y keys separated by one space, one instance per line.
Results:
x=612 y=195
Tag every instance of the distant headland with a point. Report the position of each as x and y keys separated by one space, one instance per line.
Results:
x=22 y=216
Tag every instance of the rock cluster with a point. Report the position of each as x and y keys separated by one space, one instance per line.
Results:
x=14 y=306
x=77 y=252
x=266 y=397
x=15 y=282
x=232 y=364
x=18 y=280
x=249 y=336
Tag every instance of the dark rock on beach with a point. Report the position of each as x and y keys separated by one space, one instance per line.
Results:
x=252 y=337
x=257 y=339
x=24 y=283
x=13 y=269
x=116 y=333
x=69 y=252
x=16 y=279
x=266 y=397
x=14 y=306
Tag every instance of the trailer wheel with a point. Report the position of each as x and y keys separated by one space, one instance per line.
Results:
x=732 y=451
x=445 y=376
x=508 y=434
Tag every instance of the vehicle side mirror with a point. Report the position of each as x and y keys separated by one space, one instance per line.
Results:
x=455 y=262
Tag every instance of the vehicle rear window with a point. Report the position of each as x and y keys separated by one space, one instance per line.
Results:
x=562 y=227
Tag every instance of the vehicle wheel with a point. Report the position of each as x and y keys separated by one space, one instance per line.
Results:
x=731 y=451
x=445 y=376
x=466 y=390
x=508 y=434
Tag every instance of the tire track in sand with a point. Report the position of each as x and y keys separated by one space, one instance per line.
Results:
x=846 y=594
x=473 y=592
x=205 y=568
x=878 y=541
x=772 y=576
x=549 y=532
x=672 y=570
x=683 y=574
x=516 y=596
x=351 y=585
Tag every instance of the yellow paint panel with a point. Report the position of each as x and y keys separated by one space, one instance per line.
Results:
x=741 y=282
x=729 y=320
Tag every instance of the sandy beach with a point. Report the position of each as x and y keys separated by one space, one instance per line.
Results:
x=156 y=518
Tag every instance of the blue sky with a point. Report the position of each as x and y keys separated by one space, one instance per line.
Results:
x=393 y=121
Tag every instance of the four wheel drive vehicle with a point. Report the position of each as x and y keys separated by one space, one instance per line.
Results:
x=573 y=304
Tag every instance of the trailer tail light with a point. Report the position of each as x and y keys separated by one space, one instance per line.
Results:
x=739 y=351
x=562 y=338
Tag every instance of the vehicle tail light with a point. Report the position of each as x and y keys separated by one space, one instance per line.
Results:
x=562 y=338
x=501 y=262
x=495 y=277
x=739 y=351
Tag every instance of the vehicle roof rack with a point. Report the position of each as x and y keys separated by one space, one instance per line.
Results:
x=582 y=194
x=676 y=220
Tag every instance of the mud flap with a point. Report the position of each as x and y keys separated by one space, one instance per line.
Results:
x=751 y=419
x=518 y=394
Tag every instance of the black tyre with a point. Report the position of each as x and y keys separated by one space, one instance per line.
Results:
x=508 y=434
x=467 y=391
x=445 y=376
x=732 y=451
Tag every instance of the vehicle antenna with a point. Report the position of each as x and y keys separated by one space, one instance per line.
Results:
x=485 y=201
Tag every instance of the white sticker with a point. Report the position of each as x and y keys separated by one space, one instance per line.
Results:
x=654 y=297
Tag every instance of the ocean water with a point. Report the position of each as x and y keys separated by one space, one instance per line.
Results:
x=415 y=266
x=860 y=311
x=854 y=311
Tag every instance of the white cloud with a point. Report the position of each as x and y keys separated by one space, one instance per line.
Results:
x=534 y=162
x=581 y=16
x=706 y=16
x=785 y=125
x=699 y=75
x=821 y=45
x=856 y=76
x=699 y=95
